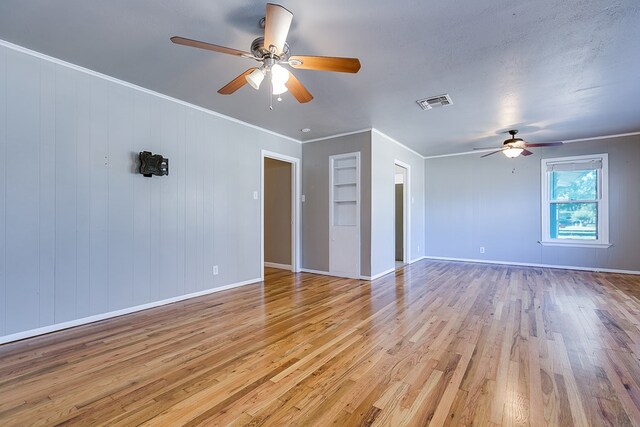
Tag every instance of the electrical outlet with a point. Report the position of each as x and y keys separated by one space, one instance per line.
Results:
x=255 y=195
x=215 y=270
x=303 y=198
x=481 y=249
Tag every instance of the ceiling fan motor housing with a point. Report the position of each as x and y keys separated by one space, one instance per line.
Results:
x=260 y=51
x=513 y=141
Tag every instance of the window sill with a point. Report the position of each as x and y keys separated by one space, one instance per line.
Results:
x=575 y=244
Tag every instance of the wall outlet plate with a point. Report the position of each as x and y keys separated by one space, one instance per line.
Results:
x=215 y=270
x=481 y=249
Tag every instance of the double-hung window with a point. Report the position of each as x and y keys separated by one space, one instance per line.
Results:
x=575 y=201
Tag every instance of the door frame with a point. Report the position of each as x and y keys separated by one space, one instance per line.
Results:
x=406 y=220
x=296 y=196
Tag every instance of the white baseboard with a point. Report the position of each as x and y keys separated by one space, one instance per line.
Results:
x=276 y=265
x=326 y=273
x=529 y=264
x=91 y=319
x=377 y=276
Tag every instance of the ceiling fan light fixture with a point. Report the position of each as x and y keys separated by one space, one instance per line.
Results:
x=279 y=75
x=279 y=89
x=512 y=152
x=279 y=78
x=255 y=78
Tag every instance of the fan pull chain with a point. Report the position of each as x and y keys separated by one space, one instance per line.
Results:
x=270 y=94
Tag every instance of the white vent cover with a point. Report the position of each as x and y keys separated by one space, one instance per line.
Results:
x=434 y=101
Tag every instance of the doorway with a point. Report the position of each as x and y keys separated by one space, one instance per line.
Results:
x=280 y=212
x=402 y=213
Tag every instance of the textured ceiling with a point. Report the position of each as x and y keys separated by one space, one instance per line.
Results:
x=561 y=69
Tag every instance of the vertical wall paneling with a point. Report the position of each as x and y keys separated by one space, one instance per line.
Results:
x=200 y=153
x=142 y=212
x=83 y=197
x=222 y=195
x=47 y=172
x=120 y=203
x=98 y=161
x=167 y=238
x=22 y=190
x=208 y=146
x=181 y=207
x=236 y=197
x=3 y=187
x=66 y=160
x=191 y=204
x=155 y=214
x=245 y=188
x=81 y=232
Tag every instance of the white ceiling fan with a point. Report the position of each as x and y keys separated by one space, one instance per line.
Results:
x=272 y=51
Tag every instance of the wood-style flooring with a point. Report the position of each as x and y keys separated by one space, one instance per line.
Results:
x=436 y=343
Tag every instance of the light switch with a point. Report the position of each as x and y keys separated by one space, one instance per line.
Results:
x=255 y=195
x=303 y=198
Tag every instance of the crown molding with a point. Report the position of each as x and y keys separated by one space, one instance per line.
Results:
x=595 y=138
x=337 y=135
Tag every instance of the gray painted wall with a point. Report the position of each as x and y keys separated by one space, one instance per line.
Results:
x=80 y=232
x=315 y=209
x=495 y=202
x=384 y=152
x=277 y=211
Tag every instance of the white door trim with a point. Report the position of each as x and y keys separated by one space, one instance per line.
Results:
x=358 y=213
x=296 y=196
x=406 y=226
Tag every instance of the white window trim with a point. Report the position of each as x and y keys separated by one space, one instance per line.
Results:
x=603 y=204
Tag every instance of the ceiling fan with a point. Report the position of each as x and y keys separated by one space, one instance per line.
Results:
x=272 y=51
x=513 y=147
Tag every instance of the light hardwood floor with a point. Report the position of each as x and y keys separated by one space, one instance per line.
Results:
x=435 y=343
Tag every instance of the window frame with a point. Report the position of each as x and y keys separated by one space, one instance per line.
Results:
x=602 y=203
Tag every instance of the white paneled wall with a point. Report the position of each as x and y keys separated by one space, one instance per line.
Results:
x=81 y=233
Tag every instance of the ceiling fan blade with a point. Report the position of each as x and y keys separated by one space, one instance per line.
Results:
x=545 y=144
x=491 y=153
x=276 y=27
x=526 y=152
x=208 y=46
x=325 y=63
x=298 y=90
x=236 y=83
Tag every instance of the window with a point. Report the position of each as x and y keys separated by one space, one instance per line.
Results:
x=575 y=208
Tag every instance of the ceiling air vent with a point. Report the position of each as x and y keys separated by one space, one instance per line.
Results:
x=434 y=101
